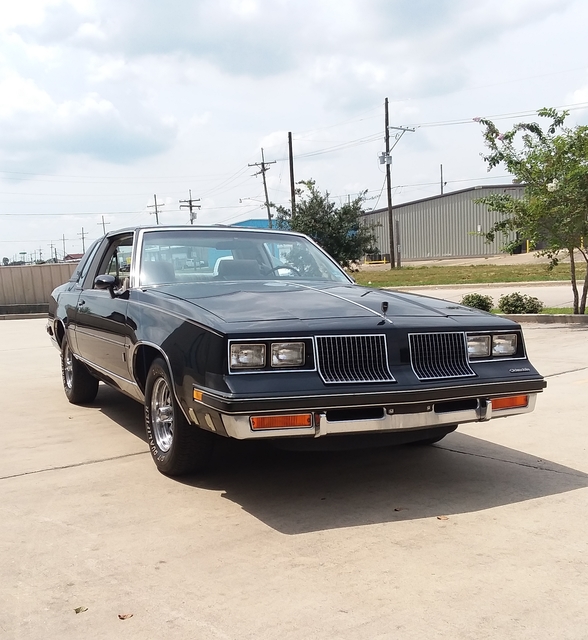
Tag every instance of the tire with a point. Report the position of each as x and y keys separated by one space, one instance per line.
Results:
x=177 y=447
x=79 y=384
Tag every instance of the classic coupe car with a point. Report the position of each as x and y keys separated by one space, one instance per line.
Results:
x=249 y=334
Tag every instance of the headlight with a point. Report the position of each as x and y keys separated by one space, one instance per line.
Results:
x=478 y=346
x=504 y=344
x=287 y=354
x=247 y=356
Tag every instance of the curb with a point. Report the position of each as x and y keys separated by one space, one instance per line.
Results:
x=484 y=285
x=21 y=316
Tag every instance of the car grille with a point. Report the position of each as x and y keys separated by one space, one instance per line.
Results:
x=439 y=355
x=353 y=359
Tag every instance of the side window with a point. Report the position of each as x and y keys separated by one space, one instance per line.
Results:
x=82 y=269
x=120 y=262
x=116 y=260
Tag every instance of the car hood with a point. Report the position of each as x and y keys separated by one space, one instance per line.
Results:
x=262 y=301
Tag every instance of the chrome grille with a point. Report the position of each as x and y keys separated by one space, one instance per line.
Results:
x=353 y=359
x=439 y=355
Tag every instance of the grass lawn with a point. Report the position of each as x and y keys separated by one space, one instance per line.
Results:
x=414 y=276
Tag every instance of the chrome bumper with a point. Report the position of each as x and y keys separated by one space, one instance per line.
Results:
x=239 y=426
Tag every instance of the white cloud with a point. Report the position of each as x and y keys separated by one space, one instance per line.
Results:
x=181 y=95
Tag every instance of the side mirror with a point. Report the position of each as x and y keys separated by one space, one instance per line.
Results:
x=105 y=281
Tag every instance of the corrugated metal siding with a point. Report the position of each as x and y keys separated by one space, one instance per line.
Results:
x=32 y=284
x=443 y=226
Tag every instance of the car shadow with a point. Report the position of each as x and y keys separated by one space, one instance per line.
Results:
x=297 y=492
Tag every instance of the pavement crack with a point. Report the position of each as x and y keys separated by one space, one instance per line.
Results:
x=563 y=373
x=72 y=466
x=579 y=474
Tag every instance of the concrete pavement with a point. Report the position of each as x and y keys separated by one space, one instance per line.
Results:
x=482 y=536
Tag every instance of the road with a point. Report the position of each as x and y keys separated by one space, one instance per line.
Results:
x=552 y=294
x=481 y=536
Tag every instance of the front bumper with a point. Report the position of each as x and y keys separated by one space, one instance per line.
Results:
x=429 y=416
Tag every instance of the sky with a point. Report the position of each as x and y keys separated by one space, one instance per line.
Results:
x=105 y=104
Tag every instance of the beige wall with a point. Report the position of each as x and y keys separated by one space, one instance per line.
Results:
x=32 y=284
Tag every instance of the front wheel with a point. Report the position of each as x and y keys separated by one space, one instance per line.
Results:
x=79 y=384
x=177 y=447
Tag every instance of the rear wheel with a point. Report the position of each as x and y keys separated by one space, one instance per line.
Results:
x=177 y=447
x=79 y=384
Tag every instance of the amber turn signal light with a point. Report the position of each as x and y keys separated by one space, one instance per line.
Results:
x=512 y=402
x=282 y=422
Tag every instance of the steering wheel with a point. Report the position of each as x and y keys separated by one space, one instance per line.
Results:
x=281 y=266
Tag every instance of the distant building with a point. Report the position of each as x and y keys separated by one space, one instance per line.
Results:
x=443 y=226
x=73 y=257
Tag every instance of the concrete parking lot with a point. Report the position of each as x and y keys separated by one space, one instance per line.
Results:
x=481 y=536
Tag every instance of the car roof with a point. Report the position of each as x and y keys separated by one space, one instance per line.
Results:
x=191 y=227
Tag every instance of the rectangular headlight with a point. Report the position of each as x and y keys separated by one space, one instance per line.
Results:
x=504 y=344
x=247 y=356
x=287 y=354
x=479 y=346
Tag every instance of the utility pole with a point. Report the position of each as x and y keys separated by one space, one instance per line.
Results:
x=40 y=254
x=292 y=187
x=83 y=237
x=189 y=205
x=442 y=183
x=386 y=159
x=103 y=225
x=63 y=240
x=263 y=164
x=156 y=212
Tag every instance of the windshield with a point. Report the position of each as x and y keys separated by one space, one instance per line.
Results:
x=199 y=255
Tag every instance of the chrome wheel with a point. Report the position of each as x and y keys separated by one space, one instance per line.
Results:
x=67 y=367
x=162 y=415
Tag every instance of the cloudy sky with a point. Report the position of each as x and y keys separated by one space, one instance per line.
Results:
x=104 y=103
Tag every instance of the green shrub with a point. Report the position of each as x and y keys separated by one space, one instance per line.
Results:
x=478 y=301
x=519 y=303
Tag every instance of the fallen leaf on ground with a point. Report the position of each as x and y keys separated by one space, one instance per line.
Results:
x=80 y=609
x=124 y=616
x=399 y=508
x=442 y=518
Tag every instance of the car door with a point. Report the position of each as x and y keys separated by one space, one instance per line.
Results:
x=101 y=328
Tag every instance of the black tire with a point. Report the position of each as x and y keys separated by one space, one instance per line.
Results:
x=79 y=384
x=177 y=447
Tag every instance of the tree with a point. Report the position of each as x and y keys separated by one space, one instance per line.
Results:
x=338 y=230
x=553 y=166
x=5 y=261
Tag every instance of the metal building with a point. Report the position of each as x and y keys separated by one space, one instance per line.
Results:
x=442 y=226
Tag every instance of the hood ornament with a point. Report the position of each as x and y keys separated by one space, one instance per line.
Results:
x=384 y=308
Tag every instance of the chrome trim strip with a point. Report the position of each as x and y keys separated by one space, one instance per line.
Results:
x=154 y=346
x=106 y=372
x=100 y=337
x=239 y=426
x=335 y=295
